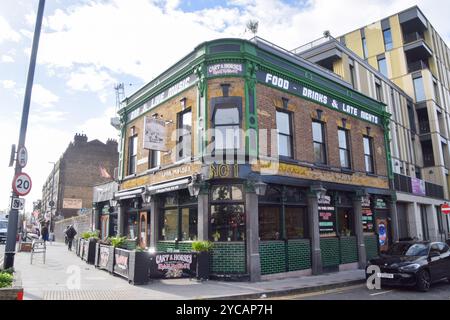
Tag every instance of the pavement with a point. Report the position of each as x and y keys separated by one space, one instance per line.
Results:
x=64 y=276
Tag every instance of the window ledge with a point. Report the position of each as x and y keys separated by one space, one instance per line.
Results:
x=347 y=171
x=372 y=175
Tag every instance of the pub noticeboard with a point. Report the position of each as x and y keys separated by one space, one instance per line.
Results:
x=104 y=257
x=121 y=263
x=367 y=216
x=173 y=265
x=327 y=217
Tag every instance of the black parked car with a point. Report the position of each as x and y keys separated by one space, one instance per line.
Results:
x=415 y=263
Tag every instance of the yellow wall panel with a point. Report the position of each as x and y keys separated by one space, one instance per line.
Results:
x=397 y=62
x=374 y=36
x=396 y=30
x=354 y=43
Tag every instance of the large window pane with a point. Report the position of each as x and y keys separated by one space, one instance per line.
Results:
x=345 y=222
x=382 y=67
x=226 y=116
x=387 y=39
x=342 y=135
x=317 y=132
x=283 y=123
x=227 y=222
x=269 y=223
x=419 y=89
x=295 y=223
x=344 y=158
x=184 y=135
x=227 y=137
x=319 y=153
x=188 y=224
x=169 y=228
x=284 y=146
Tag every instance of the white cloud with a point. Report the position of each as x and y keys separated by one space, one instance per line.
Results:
x=90 y=79
x=6 y=59
x=8 y=84
x=100 y=127
x=43 y=96
x=6 y=32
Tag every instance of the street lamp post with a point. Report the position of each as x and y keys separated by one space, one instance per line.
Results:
x=10 y=249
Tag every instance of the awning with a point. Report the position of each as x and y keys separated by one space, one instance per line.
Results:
x=169 y=186
x=129 y=193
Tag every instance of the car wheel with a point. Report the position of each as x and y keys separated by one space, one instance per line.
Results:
x=423 y=281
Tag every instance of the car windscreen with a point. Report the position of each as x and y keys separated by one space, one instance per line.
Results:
x=409 y=249
x=3 y=224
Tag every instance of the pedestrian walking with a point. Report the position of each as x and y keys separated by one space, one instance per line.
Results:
x=44 y=233
x=66 y=241
x=71 y=232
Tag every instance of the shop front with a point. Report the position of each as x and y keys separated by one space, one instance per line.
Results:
x=105 y=210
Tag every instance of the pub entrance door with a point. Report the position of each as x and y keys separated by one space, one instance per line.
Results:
x=143 y=229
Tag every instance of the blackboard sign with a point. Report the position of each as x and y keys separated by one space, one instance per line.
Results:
x=173 y=265
x=327 y=217
x=121 y=263
x=104 y=257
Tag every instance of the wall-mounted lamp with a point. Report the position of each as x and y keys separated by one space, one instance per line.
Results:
x=195 y=185
x=260 y=188
x=319 y=190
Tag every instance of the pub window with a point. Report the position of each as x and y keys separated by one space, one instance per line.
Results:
x=169 y=230
x=368 y=154
x=295 y=222
x=344 y=148
x=154 y=159
x=188 y=224
x=284 y=134
x=132 y=154
x=226 y=128
x=184 y=134
x=320 y=156
x=227 y=213
x=345 y=222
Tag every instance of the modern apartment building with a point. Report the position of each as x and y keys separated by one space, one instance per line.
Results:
x=403 y=62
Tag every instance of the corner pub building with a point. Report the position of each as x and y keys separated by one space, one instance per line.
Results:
x=307 y=187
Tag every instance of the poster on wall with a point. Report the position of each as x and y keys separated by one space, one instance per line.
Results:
x=173 y=265
x=327 y=217
x=367 y=216
x=382 y=230
x=154 y=134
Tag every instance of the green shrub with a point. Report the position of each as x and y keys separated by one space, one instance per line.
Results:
x=202 y=246
x=90 y=235
x=6 y=279
x=118 y=242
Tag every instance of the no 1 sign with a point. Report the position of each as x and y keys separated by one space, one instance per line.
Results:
x=22 y=184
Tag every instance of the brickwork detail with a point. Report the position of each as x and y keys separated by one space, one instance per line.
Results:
x=371 y=246
x=166 y=246
x=273 y=257
x=228 y=258
x=348 y=249
x=299 y=254
x=330 y=252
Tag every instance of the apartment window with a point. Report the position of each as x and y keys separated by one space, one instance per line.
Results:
x=154 y=159
x=320 y=156
x=132 y=154
x=184 y=134
x=284 y=134
x=387 y=35
x=419 y=89
x=226 y=128
x=344 y=149
x=382 y=66
x=436 y=92
x=353 y=76
x=365 y=50
x=379 y=91
x=368 y=154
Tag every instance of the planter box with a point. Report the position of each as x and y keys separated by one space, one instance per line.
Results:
x=77 y=243
x=202 y=266
x=88 y=251
x=104 y=257
x=15 y=292
x=132 y=265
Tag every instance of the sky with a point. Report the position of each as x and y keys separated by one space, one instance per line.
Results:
x=89 y=46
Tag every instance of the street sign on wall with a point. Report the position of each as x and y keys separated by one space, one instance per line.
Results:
x=18 y=203
x=22 y=184
x=445 y=208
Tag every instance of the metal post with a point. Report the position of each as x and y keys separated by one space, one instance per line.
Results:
x=13 y=213
x=52 y=203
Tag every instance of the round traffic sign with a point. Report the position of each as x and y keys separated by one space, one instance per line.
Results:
x=22 y=184
x=22 y=157
x=445 y=208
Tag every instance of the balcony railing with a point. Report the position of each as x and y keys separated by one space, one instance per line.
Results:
x=417 y=66
x=411 y=37
x=404 y=184
x=424 y=127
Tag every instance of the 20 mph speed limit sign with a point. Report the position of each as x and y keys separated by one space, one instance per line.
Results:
x=22 y=184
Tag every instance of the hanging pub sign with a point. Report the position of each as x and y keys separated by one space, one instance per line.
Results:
x=327 y=217
x=304 y=92
x=121 y=262
x=367 y=216
x=154 y=134
x=380 y=204
x=173 y=265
